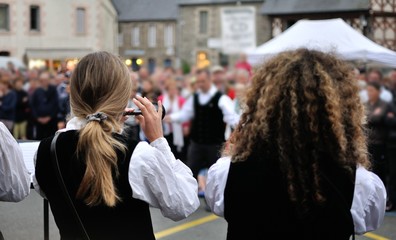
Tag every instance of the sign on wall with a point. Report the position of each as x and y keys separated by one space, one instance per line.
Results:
x=238 y=26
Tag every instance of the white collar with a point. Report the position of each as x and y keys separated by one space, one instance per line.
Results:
x=75 y=123
x=211 y=91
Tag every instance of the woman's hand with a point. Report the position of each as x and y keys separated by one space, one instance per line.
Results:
x=150 y=120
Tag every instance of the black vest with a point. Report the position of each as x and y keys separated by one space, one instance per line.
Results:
x=208 y=126
x=256 y=204
x=129 y=219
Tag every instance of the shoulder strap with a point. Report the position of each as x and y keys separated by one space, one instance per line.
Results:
x=58 y=173
x=216 y=97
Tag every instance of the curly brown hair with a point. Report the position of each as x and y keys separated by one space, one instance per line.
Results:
x=303 y=108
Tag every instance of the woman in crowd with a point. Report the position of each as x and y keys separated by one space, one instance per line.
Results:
x=112 y=179
x=22 y=110
x=173 y=102
x=298 y=159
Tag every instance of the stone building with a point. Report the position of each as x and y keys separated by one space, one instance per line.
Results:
x=376 y=19
x=147 y=32
x=45 y=32
x=200 y=29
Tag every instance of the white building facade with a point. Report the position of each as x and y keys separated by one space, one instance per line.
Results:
x=46 y=32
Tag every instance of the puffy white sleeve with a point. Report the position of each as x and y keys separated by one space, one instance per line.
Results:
x=369 y=201
x=157 y=178
x=215 y=184
x=227 y=107
x=15 y=177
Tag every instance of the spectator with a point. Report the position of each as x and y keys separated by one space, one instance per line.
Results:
x=64 y=105
x=242 y=63
x=189 y=86
x=242 y=77
x=219 y=80
x=301 y=141
x=173 y=132
x=63 y=69
x=22 y=110
x=390 y=121
x=149 y=90
x=360 y=78
x=375 y=75
x=45 y=107
x=132 y=127
x=392 y=85
x=377 y=110
x=238 y=104
x=13 y=70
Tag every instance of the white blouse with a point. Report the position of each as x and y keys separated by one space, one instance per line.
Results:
x=157 y=178
x=368 y=205
x=15 y=177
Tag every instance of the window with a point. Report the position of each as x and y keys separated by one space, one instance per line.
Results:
x=135 y=65
x=136 y=37
x=151 y=65
x=120 y=39
x=168 y=36
x=4 y=17
x=152 y=38
x=34 y=18
x=167 y=62
x=5 y=53
x=80 y=20
x=203 y=22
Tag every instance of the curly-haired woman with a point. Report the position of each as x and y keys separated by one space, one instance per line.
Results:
x=297 y=164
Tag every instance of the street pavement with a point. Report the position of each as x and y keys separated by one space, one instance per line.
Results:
x=24 y=221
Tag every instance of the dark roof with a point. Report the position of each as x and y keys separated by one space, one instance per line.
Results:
x=210 y=2
x=146 y=10
x=283 y=7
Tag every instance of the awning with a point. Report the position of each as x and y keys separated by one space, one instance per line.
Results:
x=286 y=7
x=57 y=53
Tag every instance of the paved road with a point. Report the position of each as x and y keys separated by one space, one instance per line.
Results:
x=24 y=221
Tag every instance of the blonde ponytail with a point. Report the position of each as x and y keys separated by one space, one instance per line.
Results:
x=100 y=84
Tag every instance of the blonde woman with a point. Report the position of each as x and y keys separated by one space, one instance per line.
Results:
x=111 y=178
x=297 y=162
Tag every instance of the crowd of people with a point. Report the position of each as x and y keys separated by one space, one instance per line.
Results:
x=295 y=128
x=378 y=93
x=35 y=103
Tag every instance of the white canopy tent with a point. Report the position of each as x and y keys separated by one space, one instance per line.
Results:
x=331 y=35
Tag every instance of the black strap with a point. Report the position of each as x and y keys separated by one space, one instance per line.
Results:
x=58 y=173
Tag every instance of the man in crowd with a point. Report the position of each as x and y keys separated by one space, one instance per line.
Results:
x=45 y=106
x=218 y=74
x=209 y=111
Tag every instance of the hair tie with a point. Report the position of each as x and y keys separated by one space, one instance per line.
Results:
x=99 y=117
